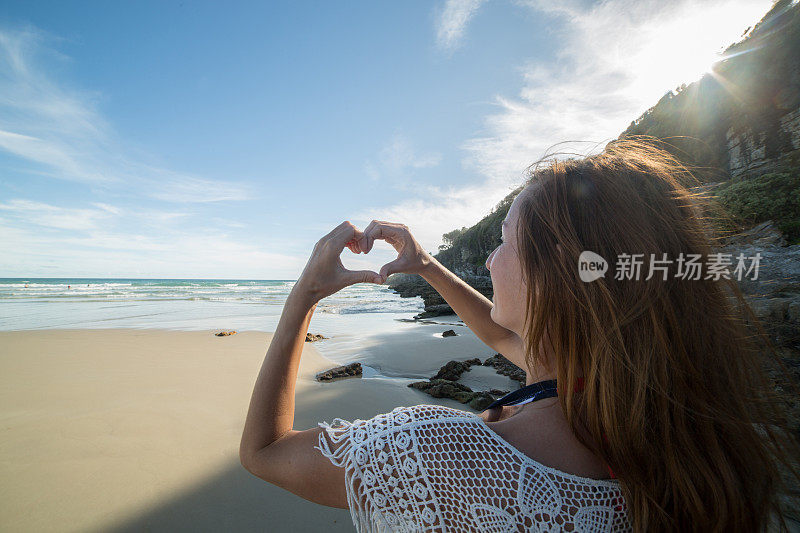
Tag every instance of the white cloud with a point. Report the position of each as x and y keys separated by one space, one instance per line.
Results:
x=101 y=255
x=50 y=216
x=59 y=133
x=172 y=186
x=39 y=239
x=438 y=211
x=399 y=156
x=616 y=59
x=228 y=223
x=114 y=210
x=452 y=22
x=62 y=132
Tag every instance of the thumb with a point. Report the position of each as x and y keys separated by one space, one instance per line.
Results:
x=363 y=276
x=390 y=268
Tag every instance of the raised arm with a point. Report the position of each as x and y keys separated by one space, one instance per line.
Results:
x=470 y=305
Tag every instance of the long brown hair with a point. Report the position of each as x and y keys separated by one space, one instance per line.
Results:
x=676 y=401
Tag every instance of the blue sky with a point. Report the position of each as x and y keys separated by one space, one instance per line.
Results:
x=211 y=140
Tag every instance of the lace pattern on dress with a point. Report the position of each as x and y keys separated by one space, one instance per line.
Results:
x=434 y=468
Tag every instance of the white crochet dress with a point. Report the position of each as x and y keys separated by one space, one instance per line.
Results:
x=435 y=468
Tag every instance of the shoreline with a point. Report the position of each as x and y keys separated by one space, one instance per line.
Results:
x=129 y=429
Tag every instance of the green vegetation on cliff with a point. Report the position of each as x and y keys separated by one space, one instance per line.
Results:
x=773 y=196
x=469 y=247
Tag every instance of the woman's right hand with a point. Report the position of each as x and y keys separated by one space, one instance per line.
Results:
x=411 y=257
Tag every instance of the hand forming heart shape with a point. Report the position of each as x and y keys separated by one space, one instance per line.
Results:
x=324 y=273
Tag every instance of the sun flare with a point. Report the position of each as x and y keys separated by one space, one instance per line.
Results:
x=684 y=48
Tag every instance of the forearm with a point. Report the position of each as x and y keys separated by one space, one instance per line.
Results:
x=469 y=304
x=271 y=412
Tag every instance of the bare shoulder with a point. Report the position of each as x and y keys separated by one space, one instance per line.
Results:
x=552 y=444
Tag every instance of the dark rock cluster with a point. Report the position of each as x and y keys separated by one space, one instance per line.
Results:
x=225 y=333
x=506 y=368
x=311 y=337
x=452 y=370
x=445 y=383
x=444 y=388
x=353 y=369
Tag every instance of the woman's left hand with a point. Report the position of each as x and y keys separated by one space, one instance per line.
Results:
x=324 y=273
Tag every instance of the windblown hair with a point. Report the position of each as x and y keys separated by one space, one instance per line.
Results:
x=677 y=400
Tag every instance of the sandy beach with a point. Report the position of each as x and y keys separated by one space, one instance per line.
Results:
x=131 y=429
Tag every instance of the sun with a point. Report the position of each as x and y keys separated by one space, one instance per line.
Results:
x=688 y=62
x=685 y=47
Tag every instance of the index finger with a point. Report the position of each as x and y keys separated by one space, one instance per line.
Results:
x=343 y=234
x=378 y=229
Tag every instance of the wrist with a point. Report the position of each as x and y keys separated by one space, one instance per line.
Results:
x=429 y=265
x=303 y=295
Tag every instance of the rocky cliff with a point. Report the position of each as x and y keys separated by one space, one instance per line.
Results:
x=742 y=118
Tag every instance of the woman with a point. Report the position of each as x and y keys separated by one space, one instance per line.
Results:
x=663 y=418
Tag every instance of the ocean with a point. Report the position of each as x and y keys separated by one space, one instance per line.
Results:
x=357 y=320
x=185 y=304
